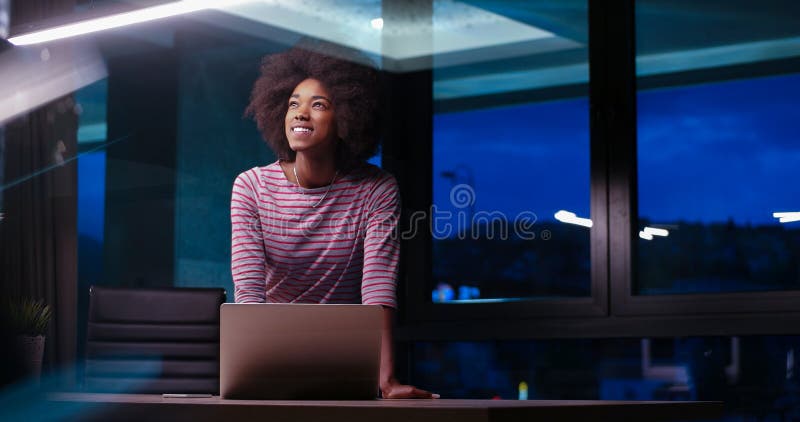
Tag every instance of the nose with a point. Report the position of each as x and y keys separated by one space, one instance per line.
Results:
x=301 y=113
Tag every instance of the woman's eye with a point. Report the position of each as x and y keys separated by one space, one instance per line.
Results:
x=292 y=104
x=320 y=106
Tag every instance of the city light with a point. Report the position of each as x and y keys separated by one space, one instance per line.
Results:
x=645 y=235
x=571 y=218
x=119 y=20
x=653 y=231
x=787 y=217
x=376 y=23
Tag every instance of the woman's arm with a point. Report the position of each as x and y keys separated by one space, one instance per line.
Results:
x=379 y=281
x=247 y=246
x=381 y=245
x=390 y=387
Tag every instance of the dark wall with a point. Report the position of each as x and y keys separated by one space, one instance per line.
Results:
x=215 y=144
x=141 y=169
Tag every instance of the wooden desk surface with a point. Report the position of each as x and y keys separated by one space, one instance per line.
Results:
x=86 y=406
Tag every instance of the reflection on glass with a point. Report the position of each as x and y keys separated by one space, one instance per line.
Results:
x=511 y=133
x=511 y=159
x=717 y=149
x=755 y=376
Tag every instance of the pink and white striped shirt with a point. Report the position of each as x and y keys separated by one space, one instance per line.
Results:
x=285 y=250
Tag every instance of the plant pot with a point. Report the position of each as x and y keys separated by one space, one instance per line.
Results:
x=29 y=353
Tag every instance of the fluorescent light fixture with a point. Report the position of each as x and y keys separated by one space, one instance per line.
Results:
x=119 y=20
x=787 y=217
x=457 y=33
x=646 y=236
x=656 y=231
x=571 y=218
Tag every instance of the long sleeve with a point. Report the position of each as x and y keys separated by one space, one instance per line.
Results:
x=248 y=264
x=381 y=245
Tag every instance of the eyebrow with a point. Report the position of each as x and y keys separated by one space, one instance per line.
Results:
x=314 y=97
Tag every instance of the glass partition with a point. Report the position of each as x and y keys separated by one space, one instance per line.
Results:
x=755 y=376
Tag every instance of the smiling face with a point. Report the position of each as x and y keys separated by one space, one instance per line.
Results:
x=310 y=120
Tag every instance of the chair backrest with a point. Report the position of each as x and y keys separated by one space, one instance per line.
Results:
x=162 y=340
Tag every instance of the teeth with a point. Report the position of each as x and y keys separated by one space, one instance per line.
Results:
x=301 y=129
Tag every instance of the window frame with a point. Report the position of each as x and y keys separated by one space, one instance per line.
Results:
x=612 y=310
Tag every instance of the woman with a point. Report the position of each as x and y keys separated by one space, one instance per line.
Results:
x=318 y=225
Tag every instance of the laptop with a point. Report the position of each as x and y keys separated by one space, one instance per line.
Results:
x=299 y=351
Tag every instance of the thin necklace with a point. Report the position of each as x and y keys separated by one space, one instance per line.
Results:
x=294 y=170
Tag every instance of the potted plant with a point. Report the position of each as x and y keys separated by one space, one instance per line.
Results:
x=26 y=320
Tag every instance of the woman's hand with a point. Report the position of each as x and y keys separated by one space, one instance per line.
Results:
x=393 y=389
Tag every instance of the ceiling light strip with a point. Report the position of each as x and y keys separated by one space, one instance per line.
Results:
x=118 y=20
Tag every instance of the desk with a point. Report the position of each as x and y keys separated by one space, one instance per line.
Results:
x=141 y=407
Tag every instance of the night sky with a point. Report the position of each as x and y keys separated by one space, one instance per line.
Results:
x=707 y=153
x=531 y=157
x=726 y=150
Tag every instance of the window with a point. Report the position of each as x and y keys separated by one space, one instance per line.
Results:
x=715 y=162
x=501 y=175
x=717 y=148
x=511 y=161
x=91 y=104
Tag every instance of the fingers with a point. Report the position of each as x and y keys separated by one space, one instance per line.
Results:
x=410 y=392
x=422 y=394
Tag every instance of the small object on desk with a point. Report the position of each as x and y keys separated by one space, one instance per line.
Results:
x=185 y=396
x=523 y=390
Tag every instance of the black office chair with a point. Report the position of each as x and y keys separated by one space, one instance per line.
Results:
x=163 y=340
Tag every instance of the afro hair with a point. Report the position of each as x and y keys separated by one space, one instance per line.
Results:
x=354 y=91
